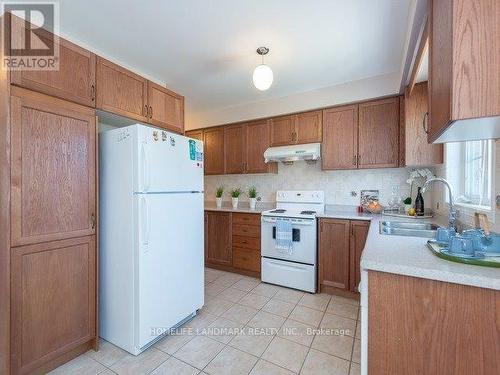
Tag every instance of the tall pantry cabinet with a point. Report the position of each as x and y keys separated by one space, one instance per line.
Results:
x=48 y=212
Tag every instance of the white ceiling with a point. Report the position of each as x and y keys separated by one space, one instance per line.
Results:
x=205 y=49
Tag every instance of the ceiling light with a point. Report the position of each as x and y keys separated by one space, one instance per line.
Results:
x=262 y=74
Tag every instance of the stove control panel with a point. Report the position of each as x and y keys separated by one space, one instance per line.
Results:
x=300 y=196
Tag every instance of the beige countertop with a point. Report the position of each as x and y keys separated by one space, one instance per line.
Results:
x=243 y=207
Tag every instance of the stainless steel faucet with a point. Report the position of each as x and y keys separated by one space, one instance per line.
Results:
x=452 y=217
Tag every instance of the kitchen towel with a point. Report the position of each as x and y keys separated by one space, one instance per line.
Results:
x=284 y=236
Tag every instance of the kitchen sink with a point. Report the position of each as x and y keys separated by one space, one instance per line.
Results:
x=408 y=228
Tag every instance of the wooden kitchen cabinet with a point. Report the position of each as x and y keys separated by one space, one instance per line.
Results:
x=53 y=302
x=196 y=134
x=378 y=133
x=218 y=238
x=333 y=254
x=234 y=149
x=421 y=326
x=341 y=243
x=121 y=91
x=282 y=130
x=340 y=138
x=53 y=192
x=74 y=80
x=246 y=243
x=308 y=127
x=213 y=139
x=359 y=232
x=165 y=108
x=417 y=151
x=257 y=140
x=464 y=55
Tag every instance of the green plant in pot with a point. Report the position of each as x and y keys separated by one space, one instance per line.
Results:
x=252 y=195
x=235 y=194
x=218 y=196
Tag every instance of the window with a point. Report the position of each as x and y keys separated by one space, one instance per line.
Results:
x=469 y=169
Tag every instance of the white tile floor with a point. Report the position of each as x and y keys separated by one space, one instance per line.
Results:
x=245 y=327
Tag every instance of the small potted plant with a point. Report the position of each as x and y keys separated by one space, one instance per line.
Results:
x=252 y=195
x=218 y=196
x=235 y=194
x=407 y=203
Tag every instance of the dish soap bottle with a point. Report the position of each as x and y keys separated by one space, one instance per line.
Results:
x=419 y=203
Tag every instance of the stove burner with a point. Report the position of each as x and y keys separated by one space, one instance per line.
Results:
x=307 y=212
x=279 y=211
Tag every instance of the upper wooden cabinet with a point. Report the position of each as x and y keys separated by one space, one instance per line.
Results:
x=74 y=80
x=196 y=134
x=121 y=91
x=340 y=138
x=165 y=108
x=378 y=134
x=53 y=168
x=282 y=130
x=213 y=139
x=234 y=148
x=464 y=55
x=416 y=149
x=257 y=140
x=308 y=127
x=218 y=238
x=304 y=127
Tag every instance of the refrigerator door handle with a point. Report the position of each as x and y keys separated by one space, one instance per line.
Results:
x=146 y=222
x=145 y=168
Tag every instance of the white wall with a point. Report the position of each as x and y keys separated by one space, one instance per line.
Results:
x=328 y=96
x=337 y=185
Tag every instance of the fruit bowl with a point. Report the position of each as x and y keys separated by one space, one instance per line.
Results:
x=374 y=207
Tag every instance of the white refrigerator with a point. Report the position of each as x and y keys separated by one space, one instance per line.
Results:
x=151 y=275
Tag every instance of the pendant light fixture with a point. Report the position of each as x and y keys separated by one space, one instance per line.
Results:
x=262 y=74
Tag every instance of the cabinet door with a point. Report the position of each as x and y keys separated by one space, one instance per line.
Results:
x=214 y=150
x=340 y=138
x=74 y=80
x=309 y=127
x=282 y=131
x=234 y=148
x=378 y=140
x=418 y=152
x=120 y=91
x=53 y=169
x=165 y=108
x=359 y=231
x=196 y=134
x=258 y=140
x=218 y=238
x=53 y=301
x=334 y=254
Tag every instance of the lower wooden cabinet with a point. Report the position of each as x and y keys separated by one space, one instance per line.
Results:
x=341 y=243
x=421 y=326
x=53 y=302
x=218 y=238
x=232 y=242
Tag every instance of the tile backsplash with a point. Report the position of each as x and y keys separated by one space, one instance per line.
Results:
x=337 y=185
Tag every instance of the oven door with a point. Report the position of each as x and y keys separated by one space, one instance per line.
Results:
x=303 y=244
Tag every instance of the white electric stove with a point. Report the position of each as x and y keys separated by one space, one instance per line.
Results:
x=298 y=268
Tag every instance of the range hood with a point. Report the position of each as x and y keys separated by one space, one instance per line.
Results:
x=288 y=154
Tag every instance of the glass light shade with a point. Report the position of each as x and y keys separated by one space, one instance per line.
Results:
x=262 y=77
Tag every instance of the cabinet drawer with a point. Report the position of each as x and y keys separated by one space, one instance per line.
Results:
x=249 y=219
x=246 y=259
x=246 y=242
x=246 y=230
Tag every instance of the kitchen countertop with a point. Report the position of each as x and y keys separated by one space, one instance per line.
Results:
x=410 y=256
x=243 y=207
x=345 y=212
